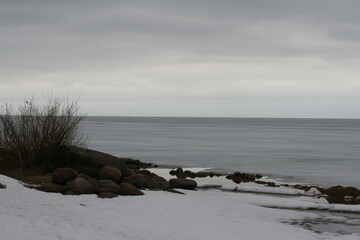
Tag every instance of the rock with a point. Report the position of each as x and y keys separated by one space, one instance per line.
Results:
x=52 y=187
x=211 y=174
x=182 y=183
x=80 y=186
x=155 y=182
x=172 y=172
x=179 y=170
x=69 y=193
x=128 y=189
x=202 y=174
x=112 y=173
x=107 y=185
x=2 y=186
x=137 y=180
x=90 y=162
x=145 y=172
x=181 y=175
x=84 y=176
x=63 y=175
x=236 y=179
x=340 y=191
x=107 y=195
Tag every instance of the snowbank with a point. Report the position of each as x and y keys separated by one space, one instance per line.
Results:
x=33 y=215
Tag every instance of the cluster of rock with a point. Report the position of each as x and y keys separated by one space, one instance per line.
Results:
x=340 y=194
x=181 y=174
x=110 y=183
x=238 y=177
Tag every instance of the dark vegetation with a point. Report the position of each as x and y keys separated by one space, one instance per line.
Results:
x=35 y=135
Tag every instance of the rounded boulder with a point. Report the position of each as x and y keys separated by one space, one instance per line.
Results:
x=63 y=175
x=111 y=173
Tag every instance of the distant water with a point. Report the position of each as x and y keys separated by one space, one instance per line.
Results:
x=318 y=151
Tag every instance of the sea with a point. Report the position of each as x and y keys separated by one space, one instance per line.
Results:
x=323 y=152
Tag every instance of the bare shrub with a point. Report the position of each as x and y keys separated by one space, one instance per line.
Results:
x=35 y=135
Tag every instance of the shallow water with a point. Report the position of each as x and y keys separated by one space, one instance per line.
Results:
x=317 y=151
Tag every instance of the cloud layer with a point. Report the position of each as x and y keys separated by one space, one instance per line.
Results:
x=186 y=58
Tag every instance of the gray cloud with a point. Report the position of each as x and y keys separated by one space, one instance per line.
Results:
x=224 y=53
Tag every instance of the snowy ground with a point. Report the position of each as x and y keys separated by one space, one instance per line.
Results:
x=204 y=214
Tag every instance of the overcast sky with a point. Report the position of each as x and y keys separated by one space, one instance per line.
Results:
x=229 y=58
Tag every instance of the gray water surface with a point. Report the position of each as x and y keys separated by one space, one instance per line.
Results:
x=318 y=151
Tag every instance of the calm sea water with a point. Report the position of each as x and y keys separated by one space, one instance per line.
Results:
x=319 y=151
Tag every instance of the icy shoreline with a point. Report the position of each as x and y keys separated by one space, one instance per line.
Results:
x=203 y=214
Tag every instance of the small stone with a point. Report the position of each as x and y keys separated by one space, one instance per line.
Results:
x=107 y=195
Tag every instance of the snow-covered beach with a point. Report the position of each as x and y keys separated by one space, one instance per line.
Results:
x=204 y=214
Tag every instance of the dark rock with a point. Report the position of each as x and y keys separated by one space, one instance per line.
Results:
x=192 y=175
x=128 y=189
x=182 y=183
x=63 y=175
x=107 y=195
x=172 y=172
x=237 y=179
x=105 y=189
x=69 y=193
x=112 y=173
x=181 y=175
x=145 y=172
x=153 y=181
x=138 y=180
x=108 y=184
x=2 y=186
x=84 y=176
x=340 y=192
x=52 y=187
x=211 y=174
x=80 y=186
x=258 y=176
x=202 y=174
x=90 y=162
x=179 y=170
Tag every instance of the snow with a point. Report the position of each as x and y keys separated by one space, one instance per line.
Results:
x=212 y=214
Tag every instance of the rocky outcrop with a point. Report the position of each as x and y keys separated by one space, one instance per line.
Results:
x=112 y=173
x=63 y=175
x=238 y=177
x=127 y=189
x=80 y=186
x=183 y=183
x=340 y=194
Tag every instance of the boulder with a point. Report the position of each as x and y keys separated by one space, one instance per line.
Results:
x=84 y=176
x=107 y=195
x=179 y=170
x=63 y=175
x=107 y=185
x=112 y=173
x=52 y=187
x=138 y=180
x=80 y=186
x=183 y=183
x=128 y=189
x=155 y=182
x=172 y=172
x=181 y=175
